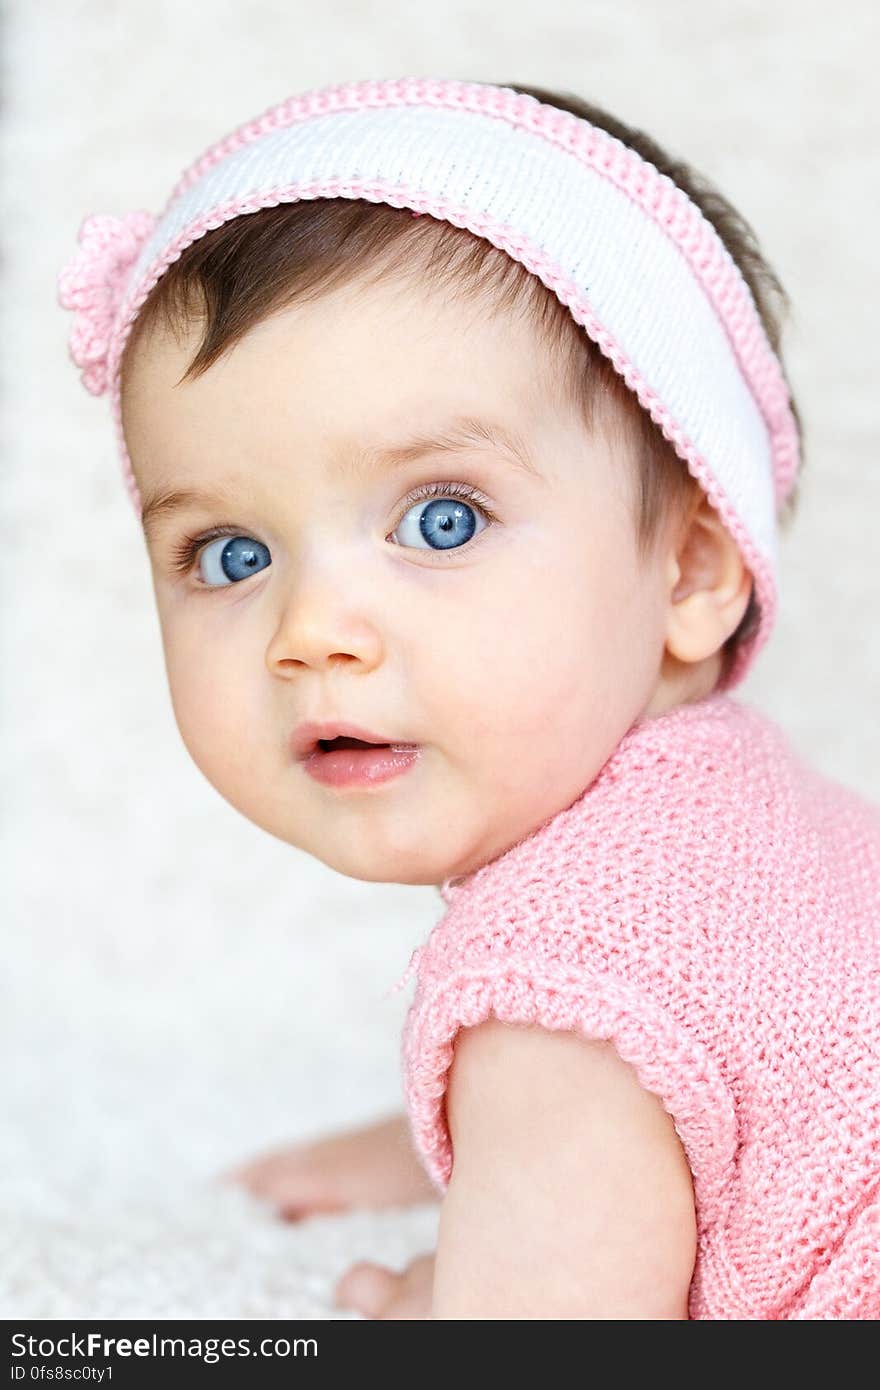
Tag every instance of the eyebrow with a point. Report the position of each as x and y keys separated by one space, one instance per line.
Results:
x=462 y=432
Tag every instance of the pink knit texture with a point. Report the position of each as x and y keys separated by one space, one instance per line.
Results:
x=92 y=283
x=711 y=904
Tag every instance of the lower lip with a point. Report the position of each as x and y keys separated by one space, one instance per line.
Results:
x=361 y=767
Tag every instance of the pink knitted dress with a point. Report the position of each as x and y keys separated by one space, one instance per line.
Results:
x=712 y=905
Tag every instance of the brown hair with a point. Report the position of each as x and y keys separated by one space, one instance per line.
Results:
x=252 y=266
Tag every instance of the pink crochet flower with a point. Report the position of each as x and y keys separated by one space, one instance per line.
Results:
x=92 y=284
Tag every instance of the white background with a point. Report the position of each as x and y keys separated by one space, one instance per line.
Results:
x=179 y=989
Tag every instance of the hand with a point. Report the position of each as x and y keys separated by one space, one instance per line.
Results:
x=385 y=1295
x=372 y=1166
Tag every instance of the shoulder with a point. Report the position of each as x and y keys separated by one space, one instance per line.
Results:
x=587 y=1158
x=576 y=1084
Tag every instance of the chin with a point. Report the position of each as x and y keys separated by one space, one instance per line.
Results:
x=385 y=871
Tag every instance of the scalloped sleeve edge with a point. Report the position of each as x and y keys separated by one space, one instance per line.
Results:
x=668 y=1060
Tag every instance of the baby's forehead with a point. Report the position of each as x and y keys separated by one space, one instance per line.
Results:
x=476 y=370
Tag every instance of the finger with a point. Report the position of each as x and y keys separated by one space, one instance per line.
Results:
x=254 y=1170
x=274 y=1178
x=303 y=1210
x=257 y=1183
x=366 y=1287
x=237 y=1176
x=409 y=1307
x=413 y=1297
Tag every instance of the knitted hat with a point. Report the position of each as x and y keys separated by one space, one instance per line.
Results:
x=620 y=244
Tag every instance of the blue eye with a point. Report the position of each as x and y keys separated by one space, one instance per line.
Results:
x=445 y=523
x=237 y=558
x=438 y=516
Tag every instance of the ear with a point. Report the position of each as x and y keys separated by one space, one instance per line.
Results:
x=709 y=585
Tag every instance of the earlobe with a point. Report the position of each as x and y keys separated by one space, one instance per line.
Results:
x=710 y=587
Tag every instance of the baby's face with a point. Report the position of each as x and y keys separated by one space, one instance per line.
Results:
x=514 y=649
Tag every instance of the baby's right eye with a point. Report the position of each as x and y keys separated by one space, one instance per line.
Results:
x=228 y=559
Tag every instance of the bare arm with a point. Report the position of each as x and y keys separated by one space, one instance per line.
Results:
x=570 y=1195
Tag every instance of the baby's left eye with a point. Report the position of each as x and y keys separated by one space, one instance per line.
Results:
x=442 y=522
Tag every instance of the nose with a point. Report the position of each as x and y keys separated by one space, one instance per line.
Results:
x=322 y=625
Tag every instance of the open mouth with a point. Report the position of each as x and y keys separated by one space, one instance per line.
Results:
x=327 y=745
x=355 y=762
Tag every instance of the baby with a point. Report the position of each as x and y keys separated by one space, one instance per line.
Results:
x=455 y=420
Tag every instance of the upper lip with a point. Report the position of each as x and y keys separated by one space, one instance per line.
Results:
x=306 y=736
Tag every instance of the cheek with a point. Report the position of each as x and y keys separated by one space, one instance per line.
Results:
x=551 y=642
x=210 y=704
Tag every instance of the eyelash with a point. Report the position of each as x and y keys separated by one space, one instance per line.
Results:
x=187 y=550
